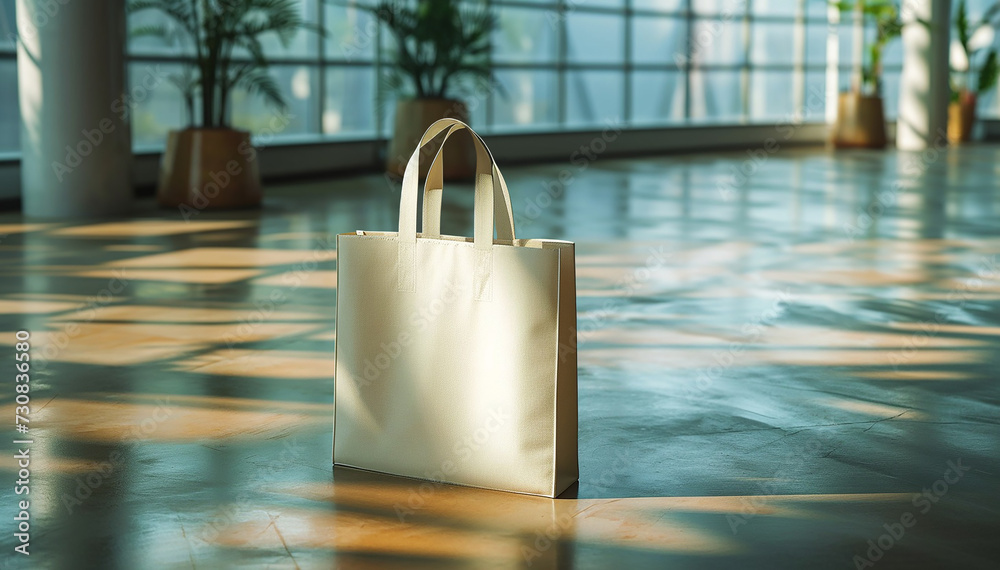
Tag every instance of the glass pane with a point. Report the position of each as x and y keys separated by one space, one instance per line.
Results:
x=595 y=38
x=715 y=96
x=890 y=92
x=659 y=5
x=771 y=95
x=726 y=8
x=386 y=108
x=10 y=113
x=846 y=36
x=817 y=9
x=8 y=27
x=350 y=33
x=989 y=105
x=178 y=44
x=531 y=98
x=816 y=38
x=815 y=99
x=477 y=103
x=717 y=41
x=525 y=35
x=974 y=8
x=299 y=85
x=573 y=4
x=775 y=7
x=594 y=97
x=844 y=78
x=158 y=110
x=773 y=43
x=893 y=53
x=657 y=97
x=304 y=43
x=350 y=101
x=658 y=40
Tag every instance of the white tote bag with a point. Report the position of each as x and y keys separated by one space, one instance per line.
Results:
x=456 y=356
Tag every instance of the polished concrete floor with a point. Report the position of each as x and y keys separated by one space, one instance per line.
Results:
x=792 y=367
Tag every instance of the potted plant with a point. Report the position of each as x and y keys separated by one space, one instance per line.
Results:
x=860 y=111
x=209 y=164
x=438 y=46
x=970 y=80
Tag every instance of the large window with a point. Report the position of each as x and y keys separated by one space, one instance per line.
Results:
x=561 y=64
x=329 y=82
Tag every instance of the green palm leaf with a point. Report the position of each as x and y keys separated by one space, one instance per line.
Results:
x=227 y=39
x=438 y=45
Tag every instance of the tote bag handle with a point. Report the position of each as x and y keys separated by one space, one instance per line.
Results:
x=487 y=186
x=433 y=190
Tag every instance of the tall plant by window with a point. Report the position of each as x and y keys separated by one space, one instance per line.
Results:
x=974 y=66
x=438 y=43
x=885 y=15
x=975 y=59
x=209 y=164
x=441 y=48
x=226 y=39
x=860 y=112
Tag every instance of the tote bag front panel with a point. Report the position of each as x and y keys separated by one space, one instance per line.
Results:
x=436 y=384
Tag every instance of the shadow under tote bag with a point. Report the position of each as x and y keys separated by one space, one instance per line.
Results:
x=456 y=357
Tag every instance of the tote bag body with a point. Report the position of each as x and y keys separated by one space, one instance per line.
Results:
x=456 y=357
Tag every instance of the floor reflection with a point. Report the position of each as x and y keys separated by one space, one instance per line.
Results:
x=767 y=377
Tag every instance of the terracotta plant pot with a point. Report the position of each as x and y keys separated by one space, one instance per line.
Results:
x=413 y=116
x=209 y=169
x=860 y=122
x=961 y=117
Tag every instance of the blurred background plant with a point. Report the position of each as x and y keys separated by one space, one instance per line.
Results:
x=973 y=53
x=439 y=46
x=440 y=55
x=223 y=43
x=225 y=36
x=885 y=14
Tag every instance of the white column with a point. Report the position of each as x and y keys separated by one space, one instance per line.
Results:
x=75 y=141
x=923 y=87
